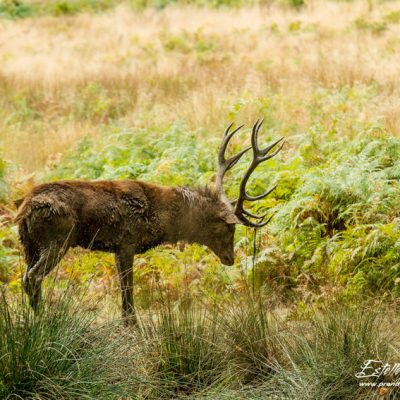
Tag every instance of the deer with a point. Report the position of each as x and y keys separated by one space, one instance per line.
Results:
x=129 y=217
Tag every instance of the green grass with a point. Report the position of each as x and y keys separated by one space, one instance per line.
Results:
x=322 y=359
x=58 y=353
x=11 y=9
x=184 y=349
x=252 y=333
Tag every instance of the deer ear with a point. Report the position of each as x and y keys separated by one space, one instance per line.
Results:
x=231 y=218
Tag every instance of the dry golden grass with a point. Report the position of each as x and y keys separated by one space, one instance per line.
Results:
x=63 y=77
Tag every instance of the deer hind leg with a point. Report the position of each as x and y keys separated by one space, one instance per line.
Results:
x=48 y=258
x=124 y=261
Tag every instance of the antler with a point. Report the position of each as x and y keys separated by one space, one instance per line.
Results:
x=259 y=156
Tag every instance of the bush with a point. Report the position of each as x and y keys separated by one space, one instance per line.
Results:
x=3 y=184
x=172 y=156
x=22 y=9
x=340 y=223
x=376 y=27
x=9 y=254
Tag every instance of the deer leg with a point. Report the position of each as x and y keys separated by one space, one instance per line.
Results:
x=124 y=261
x=32 y=257
x=34 y=275
x=33 y=289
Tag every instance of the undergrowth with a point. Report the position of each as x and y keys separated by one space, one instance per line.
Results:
x=58 y=353
x=336 y=202
x=246 y=349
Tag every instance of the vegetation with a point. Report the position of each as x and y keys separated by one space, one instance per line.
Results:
x=56 y=353
x=240 y=351
x=143 y=90
x=12 y=9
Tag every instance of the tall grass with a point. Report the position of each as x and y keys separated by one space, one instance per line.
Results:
x=185 y=350
x=325 y=354
x=157 y=68
x=318 y=358
x=58 y=353
x=252 y=332
x=192 y=351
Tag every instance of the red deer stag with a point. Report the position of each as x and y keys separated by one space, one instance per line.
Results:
x=129 y=217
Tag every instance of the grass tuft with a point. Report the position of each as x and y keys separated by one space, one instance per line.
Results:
x=184 y=349
x=57 y=353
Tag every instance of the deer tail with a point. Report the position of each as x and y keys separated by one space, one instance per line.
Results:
x=23 y=209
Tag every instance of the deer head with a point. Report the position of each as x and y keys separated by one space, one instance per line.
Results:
x=234 y=212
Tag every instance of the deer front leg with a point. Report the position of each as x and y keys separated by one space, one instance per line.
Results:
x=124 y=261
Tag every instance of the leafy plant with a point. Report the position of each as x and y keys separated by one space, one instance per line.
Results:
x=393 y=17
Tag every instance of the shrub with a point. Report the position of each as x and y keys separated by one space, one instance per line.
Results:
x=3 y=184
x=393 y=17
x=20 y=9
x=292 y=3
x=340 y=223
x=372 y=26
x=171 y=157
x=9 y=254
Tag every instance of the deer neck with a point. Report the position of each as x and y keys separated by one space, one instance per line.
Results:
x=182 y=215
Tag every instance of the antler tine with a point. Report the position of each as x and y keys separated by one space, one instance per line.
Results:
x=227 y=164
x=225 y=141
x=228 y=128
x=233 y=132
x=260 y=196
x=249 y=214
x=234 y=159
x=266 y=156
x=252 y=224
x=261 y=224
x=254 y=135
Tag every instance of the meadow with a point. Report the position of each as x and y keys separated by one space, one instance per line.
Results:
x=143 y=89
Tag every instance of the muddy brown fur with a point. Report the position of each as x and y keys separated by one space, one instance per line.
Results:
x=121 y=217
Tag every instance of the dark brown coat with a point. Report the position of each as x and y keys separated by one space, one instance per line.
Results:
x=122 y=217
